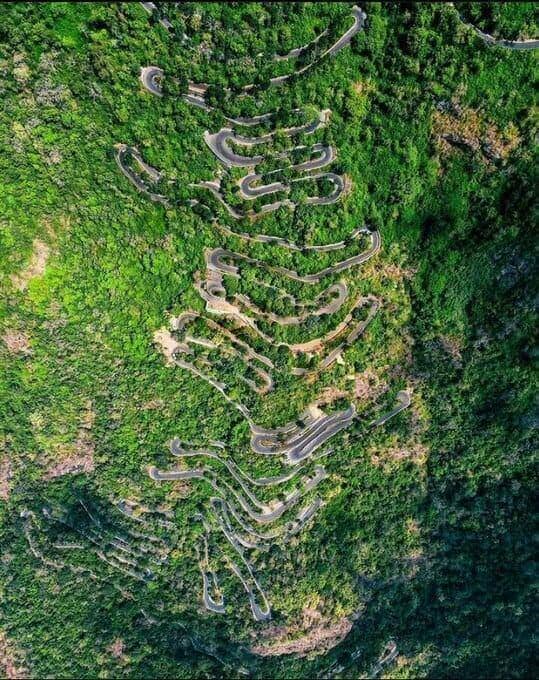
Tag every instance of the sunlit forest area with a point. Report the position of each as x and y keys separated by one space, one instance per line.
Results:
x=268 y=311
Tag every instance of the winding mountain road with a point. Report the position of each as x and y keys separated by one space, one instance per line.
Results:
x=211 y=352
x=326 y=156
x=215 y=261
x=404 y=400
x=219 y=142
x=150 y=77
x=519 y=45
x=301 y=442
x=267 y=513
x=122 y=153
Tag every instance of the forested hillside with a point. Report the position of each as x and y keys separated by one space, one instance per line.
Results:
x=268 y=312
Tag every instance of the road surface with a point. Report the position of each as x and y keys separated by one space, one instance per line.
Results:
x=122 y=152
x=150 y=77
x=403 y=401
x=215 y=261
x=326 y=155
x=531 y=44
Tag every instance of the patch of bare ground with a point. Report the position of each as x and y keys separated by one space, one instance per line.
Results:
x=77 y=457
x=6 y=473
x=394 y=272
x=36 y=266
x=348 y=185
x=179 y=489
x=53 y=157
x=314 y=635
x=164 y=339
x=55 y=318
x=368 y=385
x=116 y=650
x=454 y=126
x=363 y=87
x=10 y=666
x=414 y=451
x=17 y=342
x=331 y=394
x=153 y=405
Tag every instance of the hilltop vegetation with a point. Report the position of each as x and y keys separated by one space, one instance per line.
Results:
x=425 y=538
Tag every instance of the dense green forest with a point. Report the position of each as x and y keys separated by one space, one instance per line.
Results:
x=418 y=560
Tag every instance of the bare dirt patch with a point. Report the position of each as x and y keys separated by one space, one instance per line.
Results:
x=153 y=405
x=394 y=272
x=414 y=452
x=179 y=489
x=168 y=345
x=36 y=266
x=331 y=394
x=77 y=457
x=363 y=87
x=54 y=157
x=117 y=650
x=6 y=473
x=368 y=385
x=17 y=342
x=10 y=667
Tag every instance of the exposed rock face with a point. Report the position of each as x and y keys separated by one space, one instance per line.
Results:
x=464 y=128
x=318 y=636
